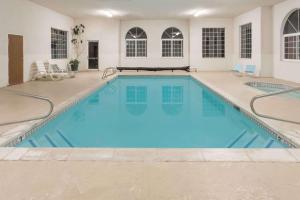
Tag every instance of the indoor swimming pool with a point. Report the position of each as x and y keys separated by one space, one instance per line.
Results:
x=153 y=112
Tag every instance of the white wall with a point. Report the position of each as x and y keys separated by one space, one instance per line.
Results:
x=262 y=51
x=266 y=42
x=154 y=30
x=287 y=70
x=196 y=59
x=34 y=22
x=107 y=32
x=253 y=17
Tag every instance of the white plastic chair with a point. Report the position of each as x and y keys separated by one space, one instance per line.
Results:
x=56 y=68
x=66 y=73
x=42 y=73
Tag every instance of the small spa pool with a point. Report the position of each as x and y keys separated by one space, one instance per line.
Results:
x=153 y=112
x=274 y=87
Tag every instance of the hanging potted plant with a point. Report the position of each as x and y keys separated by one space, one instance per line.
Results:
x=77 y=41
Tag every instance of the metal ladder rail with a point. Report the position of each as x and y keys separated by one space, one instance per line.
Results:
x=105 y=73
x=269 y=95
x=34 y=97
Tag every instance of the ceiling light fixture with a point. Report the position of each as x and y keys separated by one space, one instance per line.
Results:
x=200 y=13
x=108 y=14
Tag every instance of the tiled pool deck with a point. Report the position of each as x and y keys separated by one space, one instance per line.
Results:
x=89 y=180
x=261 y=164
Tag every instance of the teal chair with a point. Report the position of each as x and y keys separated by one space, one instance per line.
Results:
x=250 y=70
x=238 y=69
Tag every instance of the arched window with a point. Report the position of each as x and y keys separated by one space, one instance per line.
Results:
x=172 y=43
x=291 y=36
x=136 y=43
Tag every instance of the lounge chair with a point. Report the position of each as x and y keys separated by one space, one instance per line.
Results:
x=43 y=74
x=250 y=70
x=238 y=69
x=56 y=68
x=62 y=72
x=66 y=73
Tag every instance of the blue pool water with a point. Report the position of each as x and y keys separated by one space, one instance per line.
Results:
x=152 y=112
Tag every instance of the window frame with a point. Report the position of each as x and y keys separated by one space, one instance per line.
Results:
x=172 y=41
x=297 y=47
x=215 y=47
x=65 y=45
x=172 y=48
x=241 y=54
x=283 y=36
x=136 y=53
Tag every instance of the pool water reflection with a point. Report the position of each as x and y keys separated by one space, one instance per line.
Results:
x=152 y=112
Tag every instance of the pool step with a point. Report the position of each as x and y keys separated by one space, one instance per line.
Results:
x=29 y=143
x=66 y=140
x=248 y=140
x=32 y=143
x=251 y=141
x=237 y=139
x=269 y=143
x=50 y=141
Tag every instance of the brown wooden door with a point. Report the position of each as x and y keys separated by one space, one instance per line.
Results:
x=15 y=59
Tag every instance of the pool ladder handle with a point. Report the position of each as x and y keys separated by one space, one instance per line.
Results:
x=269 y=95
x=34 y=97
x=106 y=70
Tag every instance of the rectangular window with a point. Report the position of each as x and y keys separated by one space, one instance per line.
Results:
x=213 y=42
x=166 y=48
x=177 y=48
x=136 y=48
x=130 y=48
x=59 y=44
x=141 y=48
x=292 y=47
x=298 y=46
x=246 y=41
x=172 y=48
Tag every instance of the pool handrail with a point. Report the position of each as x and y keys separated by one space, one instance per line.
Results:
x=105 y=75
x=268 y=95
x=34 y=97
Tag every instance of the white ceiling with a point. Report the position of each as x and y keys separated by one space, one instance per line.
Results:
x=153 y=9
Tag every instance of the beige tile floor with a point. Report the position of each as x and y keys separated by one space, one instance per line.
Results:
x=147 y=180
x=77 y=177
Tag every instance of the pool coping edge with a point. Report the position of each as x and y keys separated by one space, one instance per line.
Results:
x=150 y=155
